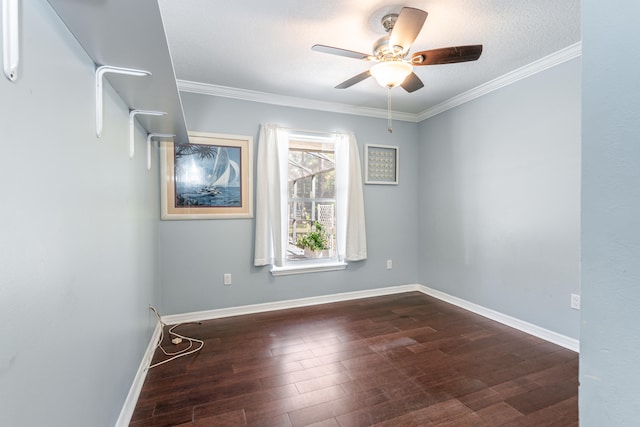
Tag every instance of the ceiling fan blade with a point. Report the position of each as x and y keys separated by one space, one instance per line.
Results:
x=338 y=51
x=412 y=83
x=355 y=79
x=447 y=55
x=407 y=27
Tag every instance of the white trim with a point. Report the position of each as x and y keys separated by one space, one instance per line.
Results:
x=134 y=392
x=556 y=58
x=289 y=101
x=545 y=334
x=529 y=328
x=303 y=267
x=283 y=305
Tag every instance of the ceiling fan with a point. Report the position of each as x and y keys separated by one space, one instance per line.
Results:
x=394 y=65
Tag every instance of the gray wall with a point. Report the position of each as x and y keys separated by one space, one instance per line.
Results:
x=500 y=199
x=82 y=249
x=78 y=245
x=195 y=254
x=610 y=335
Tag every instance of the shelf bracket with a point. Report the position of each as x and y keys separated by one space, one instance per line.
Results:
x=132 y=116
x=100 y=72
x=151 y=136
x=10 y=39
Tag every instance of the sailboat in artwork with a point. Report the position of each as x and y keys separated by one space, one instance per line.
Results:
x=226 y=170
x=225 y=173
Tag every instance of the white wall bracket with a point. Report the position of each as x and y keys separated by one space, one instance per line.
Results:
x=132 y=116
x=10 y=39
x=100 y=72
x=149 y=138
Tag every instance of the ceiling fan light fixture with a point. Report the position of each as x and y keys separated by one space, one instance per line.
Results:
x=391 y=73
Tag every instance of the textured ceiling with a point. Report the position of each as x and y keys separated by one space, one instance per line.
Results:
x=265 y=46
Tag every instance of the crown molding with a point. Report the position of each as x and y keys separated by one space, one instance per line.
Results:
x=289 y=101
x=556 y=58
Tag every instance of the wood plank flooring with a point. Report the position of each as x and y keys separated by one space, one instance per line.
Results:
x=398 y=360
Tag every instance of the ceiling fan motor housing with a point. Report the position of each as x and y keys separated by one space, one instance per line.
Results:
x=389 y=21
x=382 y=50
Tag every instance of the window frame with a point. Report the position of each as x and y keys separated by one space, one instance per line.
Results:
x=298 y=266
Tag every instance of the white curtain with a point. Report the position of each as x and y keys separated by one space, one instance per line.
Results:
x=271 y=198
x=352 y=239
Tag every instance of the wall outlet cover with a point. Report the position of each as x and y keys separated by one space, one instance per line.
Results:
x=575 y=301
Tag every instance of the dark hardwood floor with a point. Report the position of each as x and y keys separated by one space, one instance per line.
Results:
x=398 y=360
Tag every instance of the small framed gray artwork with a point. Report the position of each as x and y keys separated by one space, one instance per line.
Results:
x=381 y=164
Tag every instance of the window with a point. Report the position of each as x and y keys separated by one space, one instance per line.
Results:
x=308 y=184
x=311 y=200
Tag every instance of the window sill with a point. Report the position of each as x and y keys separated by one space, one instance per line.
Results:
x=308 y=267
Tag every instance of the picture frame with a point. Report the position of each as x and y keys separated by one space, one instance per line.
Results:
x=209 y=178
x=381 y=164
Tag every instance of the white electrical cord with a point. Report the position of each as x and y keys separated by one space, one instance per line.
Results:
x=179 y=353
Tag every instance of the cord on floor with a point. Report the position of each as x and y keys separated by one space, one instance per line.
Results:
x=174 y=355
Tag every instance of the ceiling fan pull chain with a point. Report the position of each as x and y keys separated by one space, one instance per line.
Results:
x=389 y=127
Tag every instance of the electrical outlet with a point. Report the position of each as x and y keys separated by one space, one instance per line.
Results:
x=389 y=264
x=227 y=279
x=575 y=301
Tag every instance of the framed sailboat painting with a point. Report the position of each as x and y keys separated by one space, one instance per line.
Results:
x=209 y=178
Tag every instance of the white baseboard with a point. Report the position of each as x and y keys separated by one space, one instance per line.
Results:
x=531 y=329
x=134 y=392
x=282 y=305
x=136 y=387
x=545 y=334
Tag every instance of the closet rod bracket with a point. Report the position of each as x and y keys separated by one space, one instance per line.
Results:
x=10 y=39
x=100 y=72
x=149 y=138
x=132 y=116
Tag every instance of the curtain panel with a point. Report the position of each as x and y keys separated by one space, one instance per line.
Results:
x=272 y=196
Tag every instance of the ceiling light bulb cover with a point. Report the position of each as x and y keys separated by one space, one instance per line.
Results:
x=391 y=73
